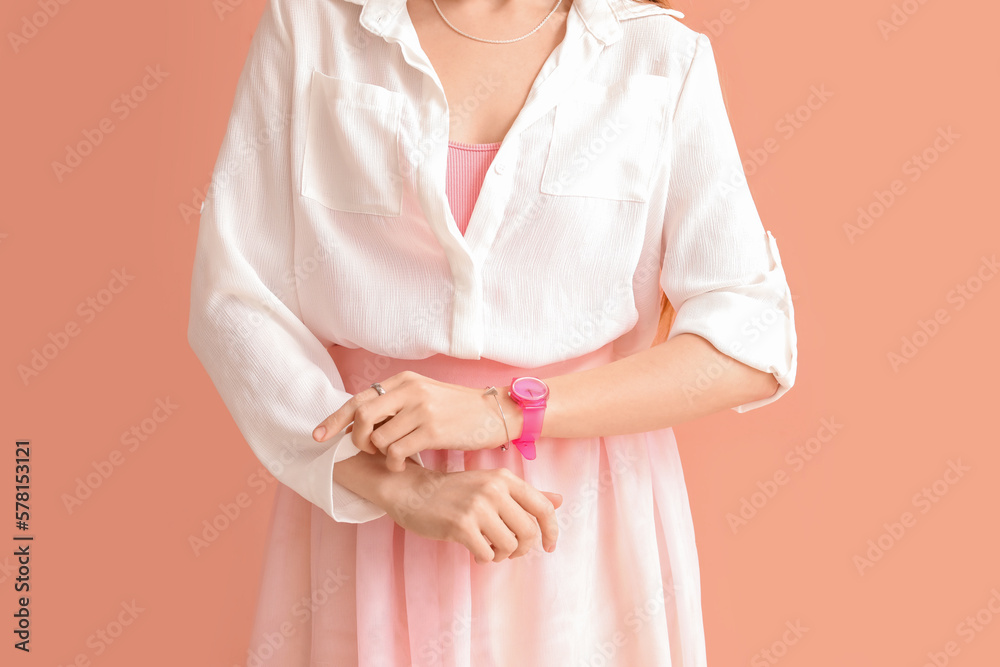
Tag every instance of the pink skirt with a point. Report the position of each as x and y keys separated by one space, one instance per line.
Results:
x=621 y=588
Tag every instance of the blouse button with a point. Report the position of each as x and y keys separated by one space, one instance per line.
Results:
x=499 y=167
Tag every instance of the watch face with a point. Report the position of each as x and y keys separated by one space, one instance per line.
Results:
x=529 y=388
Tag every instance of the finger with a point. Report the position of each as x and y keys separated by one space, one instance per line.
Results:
x=397 y=451
x=345 y=413
x=330 y=426
x=521 y=524
x=555 y=498
x=394 y=430
x=503 y=539
x=370 y=412
x=535 y=502
x=478 y=546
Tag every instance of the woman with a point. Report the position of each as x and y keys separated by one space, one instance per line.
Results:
x=435 y=286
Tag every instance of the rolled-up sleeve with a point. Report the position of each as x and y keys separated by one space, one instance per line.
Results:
x=721 y=268
x=274 y=375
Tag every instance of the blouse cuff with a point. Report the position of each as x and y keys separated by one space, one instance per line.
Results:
x=347 y=506
x=752 y=323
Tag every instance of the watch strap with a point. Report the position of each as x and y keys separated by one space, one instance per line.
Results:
x=530 y=430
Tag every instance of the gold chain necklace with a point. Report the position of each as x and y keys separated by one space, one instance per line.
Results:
x=496 y=41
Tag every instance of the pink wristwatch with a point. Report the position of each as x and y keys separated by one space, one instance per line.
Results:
x=531 y=394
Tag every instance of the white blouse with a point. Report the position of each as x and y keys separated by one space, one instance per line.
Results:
x=327 y=220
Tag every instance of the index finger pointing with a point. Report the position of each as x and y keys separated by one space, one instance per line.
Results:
x=331 y=425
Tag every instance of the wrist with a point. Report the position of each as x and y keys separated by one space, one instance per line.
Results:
x=513 y=413
x=392 y=489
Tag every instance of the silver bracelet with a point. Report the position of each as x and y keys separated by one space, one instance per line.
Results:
x=493 y=390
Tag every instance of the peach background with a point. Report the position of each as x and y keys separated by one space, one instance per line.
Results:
x=792 y=562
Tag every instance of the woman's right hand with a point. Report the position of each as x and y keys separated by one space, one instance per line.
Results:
x=493 y=513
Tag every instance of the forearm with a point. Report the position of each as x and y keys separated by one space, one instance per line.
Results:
x=366 y=475
x=653 y=389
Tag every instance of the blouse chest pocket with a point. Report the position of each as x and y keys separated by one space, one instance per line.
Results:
x=606 y=139
x=351 y=160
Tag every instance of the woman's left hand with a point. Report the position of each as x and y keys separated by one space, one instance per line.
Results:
x=422 y=413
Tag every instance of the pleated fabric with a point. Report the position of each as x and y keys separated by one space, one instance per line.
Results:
x=621 y=588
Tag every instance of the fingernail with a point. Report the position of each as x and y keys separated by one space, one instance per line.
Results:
x=319 y=432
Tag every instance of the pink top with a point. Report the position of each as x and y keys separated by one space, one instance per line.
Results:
x=467 y=165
